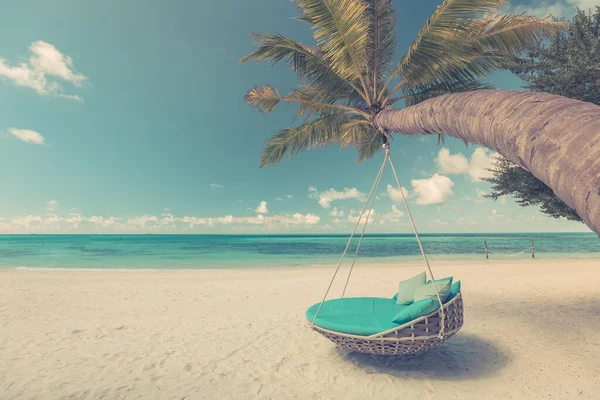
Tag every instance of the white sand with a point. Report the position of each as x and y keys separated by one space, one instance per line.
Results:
x=532 y=331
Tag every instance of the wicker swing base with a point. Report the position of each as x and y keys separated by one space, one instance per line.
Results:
x=413 y=337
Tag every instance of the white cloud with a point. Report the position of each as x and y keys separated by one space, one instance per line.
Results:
x=45 y=57
x=394 y=216
x=296 y=219
x=51 y=205
x=438 y=222
x=141 y=221
x=557 y=8
x=26 y=221
x=278 y=199
x=26 y=135
x=309 y=219
x=477 y=167
x=272 y=221
x=354 y=217
x=45 y=61
x=151 y=223
x=167 y=219
x=496 y=216
x=262 y=208
x=336 y=213
x=216 y=185
x=52 y=219
x=434 y=190
x=103 y=222
x=465 y=221
x=327 y=197
x=258 y=220
x=451 y=164
x=193 y=221
x=481 y=161
x=395 y=194
x=74 y=219
x=230 y=219
x=289 y=196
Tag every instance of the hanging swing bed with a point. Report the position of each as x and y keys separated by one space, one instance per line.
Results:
x=421 y=316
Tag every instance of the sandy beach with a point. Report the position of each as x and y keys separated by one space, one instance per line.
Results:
x=532 y=331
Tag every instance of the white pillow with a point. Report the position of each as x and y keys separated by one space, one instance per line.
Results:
x=406 y=288
x=428 y=291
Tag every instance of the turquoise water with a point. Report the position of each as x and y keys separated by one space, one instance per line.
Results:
x=239 y=251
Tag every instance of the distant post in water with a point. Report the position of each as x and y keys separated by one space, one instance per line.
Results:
x=532 y=249
x=486 y=249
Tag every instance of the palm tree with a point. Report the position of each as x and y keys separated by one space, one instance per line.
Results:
x=350 y=83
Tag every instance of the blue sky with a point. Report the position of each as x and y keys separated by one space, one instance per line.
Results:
x=129 y=117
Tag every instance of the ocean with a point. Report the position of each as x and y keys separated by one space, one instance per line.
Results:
x=251 y=251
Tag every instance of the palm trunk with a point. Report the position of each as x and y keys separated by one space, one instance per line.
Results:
x=555 y=138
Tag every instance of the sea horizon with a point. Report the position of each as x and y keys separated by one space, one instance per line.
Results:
x=221 y=251
x=303 y=234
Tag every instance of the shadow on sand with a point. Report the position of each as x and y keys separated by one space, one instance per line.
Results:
x=465 y=356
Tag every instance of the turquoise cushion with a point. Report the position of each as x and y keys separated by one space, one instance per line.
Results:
x=406 y=288
x=454 y=290
x=416 y=310
x=356 y=315
x=428 y=291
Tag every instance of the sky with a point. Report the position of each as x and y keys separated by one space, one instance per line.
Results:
x=128 y=117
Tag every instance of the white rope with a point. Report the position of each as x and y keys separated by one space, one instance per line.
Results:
x=365 y=226
x=443 y=316
x=378 y=178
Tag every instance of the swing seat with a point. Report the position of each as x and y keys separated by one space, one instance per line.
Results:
x=356 y=316
x=365 y=324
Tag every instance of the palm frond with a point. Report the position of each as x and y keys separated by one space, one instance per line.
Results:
x=316 y=100
x=341 y=30
x=469 y=44
x=318 y=93
x=485 y=44
x=511 y=33
x=303 y=18
x=382 y=40
x=417 y=94
x=448 y=25
x=266 y=98
x=289 y=141
x=307 y=61
x=354 y=131
x=371 y=143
